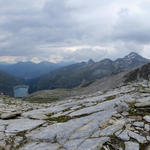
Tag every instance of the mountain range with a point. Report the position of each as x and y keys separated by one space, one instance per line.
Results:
x=30 y=70
x=84 y=73
x=49 y=76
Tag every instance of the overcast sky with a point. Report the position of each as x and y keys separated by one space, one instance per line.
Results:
x=73 y=30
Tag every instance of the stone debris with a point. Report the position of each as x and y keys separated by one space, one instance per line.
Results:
x=103 y=121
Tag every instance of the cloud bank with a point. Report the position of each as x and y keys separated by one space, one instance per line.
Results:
x=73 y=30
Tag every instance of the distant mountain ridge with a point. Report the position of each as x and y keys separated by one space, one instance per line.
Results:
x=7 y=82
x=130 y=61
x=83 y=74
x=28 y=70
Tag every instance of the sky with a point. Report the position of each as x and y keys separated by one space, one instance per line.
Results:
x=73 y=30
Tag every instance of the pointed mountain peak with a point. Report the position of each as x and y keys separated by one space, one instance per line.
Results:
x=133 y=55
x=91 y=61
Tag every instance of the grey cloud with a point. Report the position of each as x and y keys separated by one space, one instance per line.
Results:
x=26 y=26
x=133 y=27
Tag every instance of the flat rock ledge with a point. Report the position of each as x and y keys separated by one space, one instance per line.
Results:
x=114 y=120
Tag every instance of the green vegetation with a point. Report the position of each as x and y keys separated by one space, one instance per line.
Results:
x=63 y=118
x=48 y=96
x=67 y=109
x=50 y=114
x=41 y=100
x=60 y=118
x=110 y=97
x=132 y=112
x=114 y=143
x=138 y=111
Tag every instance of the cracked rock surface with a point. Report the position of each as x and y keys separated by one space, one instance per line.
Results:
x=118 y=119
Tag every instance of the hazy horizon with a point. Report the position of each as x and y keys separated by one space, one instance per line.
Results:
x=61 y=62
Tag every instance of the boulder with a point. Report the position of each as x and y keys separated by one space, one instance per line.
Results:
x=147 y=118
x=10 y=115
x=143 y=104
x=122 y=108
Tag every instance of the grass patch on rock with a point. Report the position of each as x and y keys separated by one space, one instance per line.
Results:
x=42 y=100
x=63 y=118
x=59 y=118
x=48 y=96
x=67 y=109
x=139 y=111
x=113 y=144
x=110 y=97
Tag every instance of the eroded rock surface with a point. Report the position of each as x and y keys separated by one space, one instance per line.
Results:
x=117 y=119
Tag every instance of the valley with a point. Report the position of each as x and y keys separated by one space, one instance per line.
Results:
x=74 y=75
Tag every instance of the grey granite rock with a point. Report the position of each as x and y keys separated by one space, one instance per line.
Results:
x=137 y=137
x=10 y=115
x=41 y=113
x=86 y=130
x=124 y=136
x=107 y=105
x=147 y=118
x=40 y=146
x=144 y=99
x=143 y=104
x=2 y=136
x=123 y=107
x=131 y=146
x=96 y=134
x=138 y=124
x=147 y=127
x=63 y=131
x=93 y=144
x=110 y=130
x=94 y=120
x=2 y=128
x=148 y=138
x=20 y=125
x=60 y=131
x=73 y=144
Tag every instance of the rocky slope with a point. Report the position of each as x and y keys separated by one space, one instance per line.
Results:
x=7 y=82
x=117 y=119
x=139 y=73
